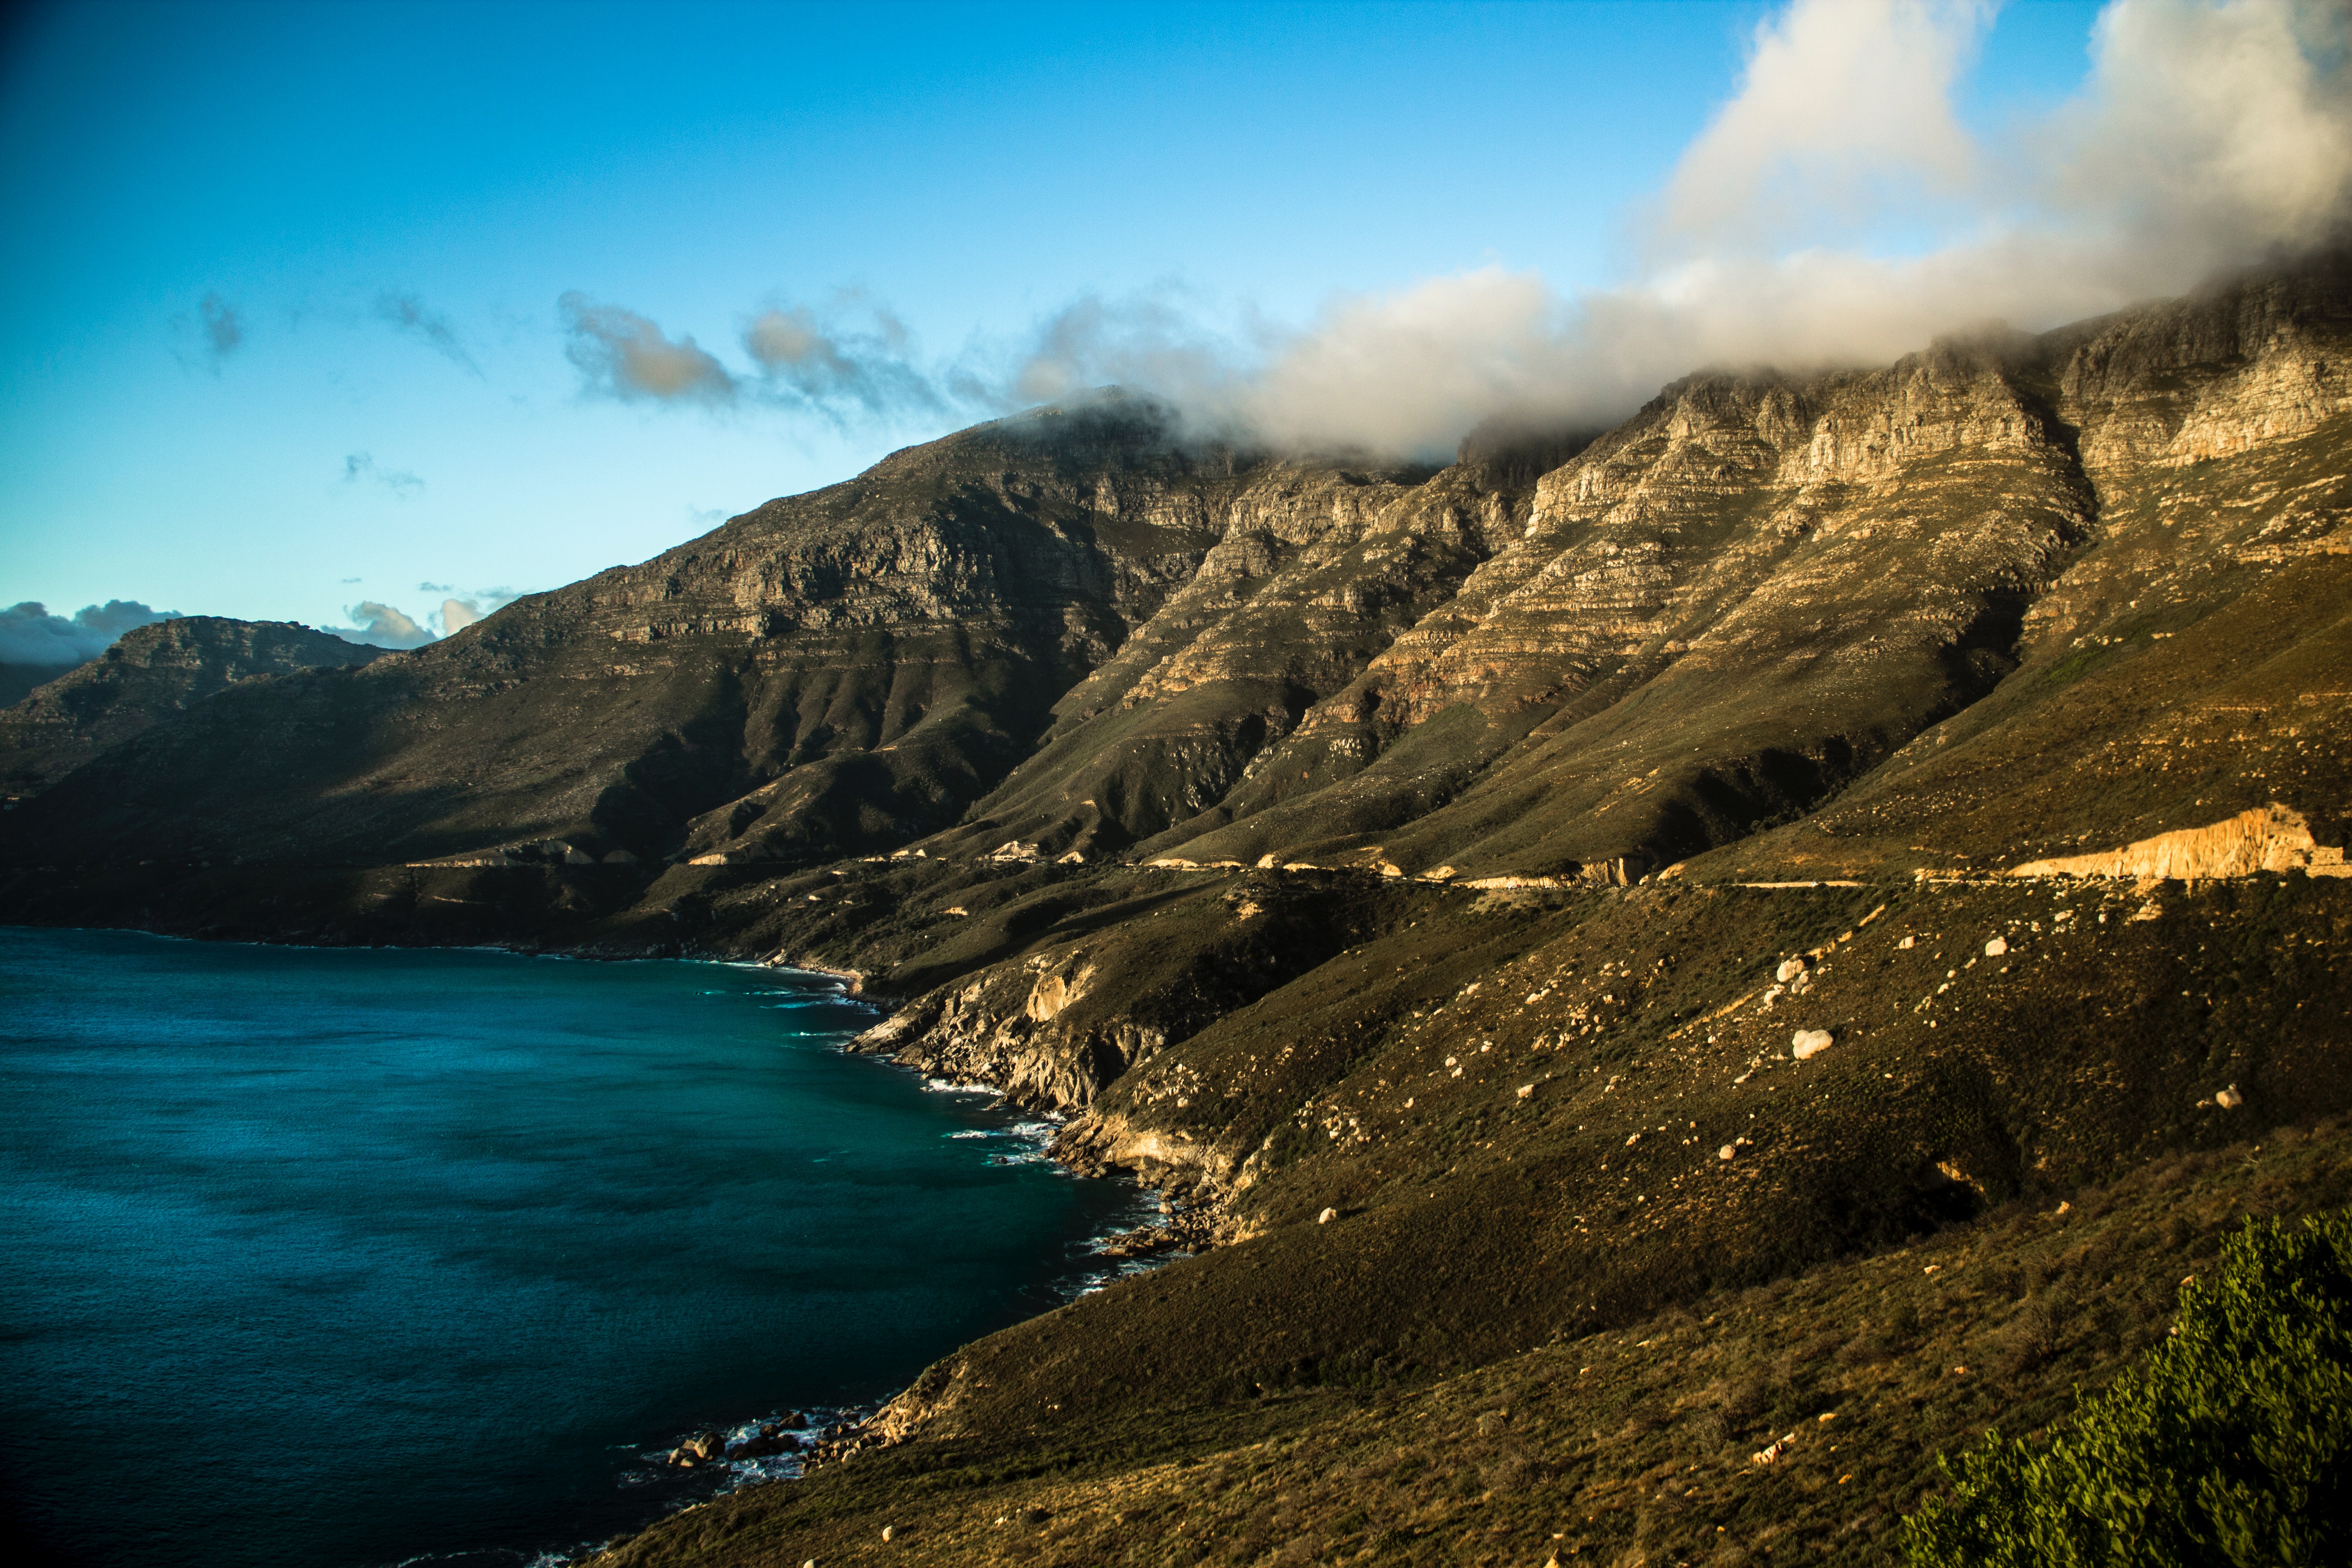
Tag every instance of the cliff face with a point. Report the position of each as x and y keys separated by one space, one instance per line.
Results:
x=1074 y=632
x=151 y=674
x=1426 y=879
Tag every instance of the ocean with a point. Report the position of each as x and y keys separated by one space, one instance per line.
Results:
x=334 y=1257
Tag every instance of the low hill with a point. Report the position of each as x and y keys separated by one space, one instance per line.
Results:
x=150 y=674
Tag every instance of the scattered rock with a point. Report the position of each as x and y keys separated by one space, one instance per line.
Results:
x=2230 y=1098
x=1527 y=1091
x=1772 y=1453
x=888 y=1531
x=1326 y=1216
x=1907 y=943
x=1725 y=1152
x=1997 y=947
x=1790 y=968
x=1809 y=1042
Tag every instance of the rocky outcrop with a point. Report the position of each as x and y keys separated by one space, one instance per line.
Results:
x=1053 y=1027
x=2270 y=838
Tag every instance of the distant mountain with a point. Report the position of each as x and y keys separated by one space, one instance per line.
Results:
x=1620 y=889
x=18 y=680
x=151 y=673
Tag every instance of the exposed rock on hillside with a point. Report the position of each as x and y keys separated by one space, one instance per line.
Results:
x=2270 y=839
x=1907 y=589
x=151 y=674
x=1496 y=906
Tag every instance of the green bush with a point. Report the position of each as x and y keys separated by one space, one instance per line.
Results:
x=2230 y=1444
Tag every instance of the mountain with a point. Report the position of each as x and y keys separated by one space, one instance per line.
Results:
x=18 y=682
x=151 y=673
x=1831 y=885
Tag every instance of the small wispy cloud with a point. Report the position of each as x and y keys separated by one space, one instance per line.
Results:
x=361 y=468
x=223 y=332
x=207 y=336
x=837 y=368
x=852 y=362
x=411 y=317
x=622 y=354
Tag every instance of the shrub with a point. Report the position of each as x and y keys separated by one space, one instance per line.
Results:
x=2230 y=1443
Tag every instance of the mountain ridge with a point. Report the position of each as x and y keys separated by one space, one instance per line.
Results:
x=1427 y=880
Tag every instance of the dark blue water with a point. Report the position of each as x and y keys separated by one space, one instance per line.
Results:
x=357 y=1257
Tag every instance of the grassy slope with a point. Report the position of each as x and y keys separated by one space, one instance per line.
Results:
x=1630 y=1444
x=1479 y=1228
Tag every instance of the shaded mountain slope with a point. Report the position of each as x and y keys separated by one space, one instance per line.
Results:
x=150 y=674
x=18 y=682
x=830 y=673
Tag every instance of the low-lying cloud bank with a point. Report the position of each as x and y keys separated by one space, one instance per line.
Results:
x=387 y=625
x=30 y=634
x=2211 y=134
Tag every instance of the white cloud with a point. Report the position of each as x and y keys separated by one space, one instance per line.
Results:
x=383 y=626
x=460 y=608
x=362 y=466
x=1846 y=112
x=1836 y=210
x=2210 y=136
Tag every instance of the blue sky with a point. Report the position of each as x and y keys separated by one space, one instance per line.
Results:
x=281 y=324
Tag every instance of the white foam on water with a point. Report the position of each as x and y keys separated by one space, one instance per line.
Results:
x=949 y=1086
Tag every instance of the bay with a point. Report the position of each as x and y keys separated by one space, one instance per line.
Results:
x=336 y=1256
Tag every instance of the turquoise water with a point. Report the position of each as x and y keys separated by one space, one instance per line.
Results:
x=328 y=1257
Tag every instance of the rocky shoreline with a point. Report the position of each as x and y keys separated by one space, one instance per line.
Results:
x=809 y=1443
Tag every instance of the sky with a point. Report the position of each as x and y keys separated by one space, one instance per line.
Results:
x=372 y=316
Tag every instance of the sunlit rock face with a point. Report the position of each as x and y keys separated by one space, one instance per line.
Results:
x=1918 y=608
